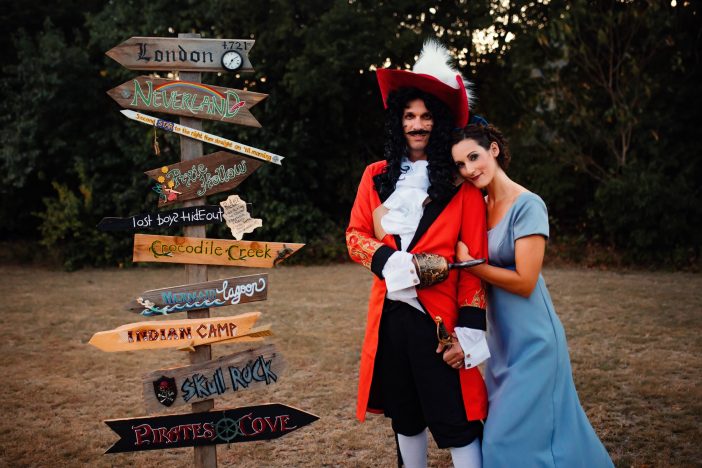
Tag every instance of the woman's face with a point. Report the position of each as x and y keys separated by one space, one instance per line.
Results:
x=475 y=163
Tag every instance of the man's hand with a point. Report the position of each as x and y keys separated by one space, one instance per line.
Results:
x=453 y=353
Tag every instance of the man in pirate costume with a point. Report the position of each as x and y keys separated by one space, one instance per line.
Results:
x=408 y=215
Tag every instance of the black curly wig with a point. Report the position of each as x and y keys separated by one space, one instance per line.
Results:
x=442 y=171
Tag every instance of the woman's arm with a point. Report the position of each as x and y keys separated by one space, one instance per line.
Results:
x=528 y=258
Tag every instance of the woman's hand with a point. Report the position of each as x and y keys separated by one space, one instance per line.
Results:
x=453 y=354
x=462 y=253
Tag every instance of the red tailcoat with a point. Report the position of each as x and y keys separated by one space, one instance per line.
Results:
x=460 y=300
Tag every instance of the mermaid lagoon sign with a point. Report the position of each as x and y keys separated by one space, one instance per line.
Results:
x=188 y=99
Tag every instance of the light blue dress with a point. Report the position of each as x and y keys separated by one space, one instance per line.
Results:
x=535 y=418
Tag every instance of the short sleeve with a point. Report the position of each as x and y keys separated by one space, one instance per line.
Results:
x=531 y=217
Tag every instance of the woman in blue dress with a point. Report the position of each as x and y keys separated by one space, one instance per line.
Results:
x=535 y=418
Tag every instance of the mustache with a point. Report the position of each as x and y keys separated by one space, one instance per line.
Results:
x=419 y=132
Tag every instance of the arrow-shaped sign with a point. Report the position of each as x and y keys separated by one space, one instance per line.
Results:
x=206 y=214
x=199 y=251
x=180 y=334
x=212 y=173
x=184 y=54
x=229 y=426
x=203 y=136
x=253 y=368
x=223 y=292
x=189 y=99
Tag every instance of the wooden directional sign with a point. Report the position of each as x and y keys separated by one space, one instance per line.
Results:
x=180 y=334
x=194 y=215
x=254 y=368
x=204 y=136
x=170 y=53
x=223 y=292
x=212 y=173
x=188 y=99
x=243 y=424
x=195 y=250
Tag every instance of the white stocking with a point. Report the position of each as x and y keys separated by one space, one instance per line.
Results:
x=468 y=456
x=414 y=449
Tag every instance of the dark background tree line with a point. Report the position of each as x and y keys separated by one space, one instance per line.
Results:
x=600 y=100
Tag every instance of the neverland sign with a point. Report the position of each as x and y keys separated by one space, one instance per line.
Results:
x=188 y=99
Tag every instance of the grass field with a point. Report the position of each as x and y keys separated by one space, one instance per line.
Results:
x=634 y=340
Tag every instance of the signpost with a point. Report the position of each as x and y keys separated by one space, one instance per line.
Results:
x=229 y=426
x=190 y=99
x=182 y=53
x=199 y=251
x=180 y=334
x=206 y=214
x=253 y=368
x=213 y=173
x=190 y=181
x=198 y=134
x=224 y=292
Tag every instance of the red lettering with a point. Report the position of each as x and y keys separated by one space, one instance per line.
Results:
x=161 y=435
x=257 y=422
x=241 y=423
x=202 y=325
x=284 y=421
x=213 y=331
x=209 y=432
x=173 y=435
x=184 y=431
x=142 y=432
x=196 y=431
x=271 y=425
x=232 y=329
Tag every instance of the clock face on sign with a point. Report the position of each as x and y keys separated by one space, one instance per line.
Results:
x=232 y=60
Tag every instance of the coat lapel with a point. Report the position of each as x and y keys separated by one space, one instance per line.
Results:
x=431 y=212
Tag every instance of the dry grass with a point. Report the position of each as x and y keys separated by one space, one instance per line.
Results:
x=634 y=342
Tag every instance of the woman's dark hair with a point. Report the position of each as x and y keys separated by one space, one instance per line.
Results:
x=442 y=172
x=484 y=135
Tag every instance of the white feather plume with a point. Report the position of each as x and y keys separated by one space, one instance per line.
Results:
x=434 y=60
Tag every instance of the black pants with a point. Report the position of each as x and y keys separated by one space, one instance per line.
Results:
x=417 y=387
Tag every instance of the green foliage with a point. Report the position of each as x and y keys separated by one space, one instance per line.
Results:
x=599 y=98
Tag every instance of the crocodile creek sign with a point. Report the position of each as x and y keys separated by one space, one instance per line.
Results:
x=188 y=99
x=223 y=292
x=196 y=250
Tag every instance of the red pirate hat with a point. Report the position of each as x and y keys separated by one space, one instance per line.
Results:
x=431 y=74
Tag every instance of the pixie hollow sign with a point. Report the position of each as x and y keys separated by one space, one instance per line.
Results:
x=195 y=250
x=254 y=368
x=224 y=292
x=212 y=173
x=188 y=99
x=180 y=334
x=229 y=426
x=184 y=54
x=194 y=215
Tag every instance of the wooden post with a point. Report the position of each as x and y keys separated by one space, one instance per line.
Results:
x=205 y=456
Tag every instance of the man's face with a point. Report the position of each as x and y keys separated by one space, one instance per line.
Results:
x=417 y=123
